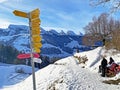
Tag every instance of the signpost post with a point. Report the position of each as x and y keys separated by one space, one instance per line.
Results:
x=35 y=39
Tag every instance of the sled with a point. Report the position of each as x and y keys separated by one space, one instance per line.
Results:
x=112 y=72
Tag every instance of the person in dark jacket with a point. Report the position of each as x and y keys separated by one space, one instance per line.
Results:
x=111 y=60
x=103 y=66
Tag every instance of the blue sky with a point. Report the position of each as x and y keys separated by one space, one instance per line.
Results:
x=57 y=14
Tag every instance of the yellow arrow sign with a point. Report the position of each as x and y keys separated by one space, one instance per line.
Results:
x=35 y=32
x=37 y=20
x=35 y=14
x=35 y=11
x=20 y=13
x=35 y=28
x=36 y=38
x=37 y=50
x=35 y=25
x=37 y=45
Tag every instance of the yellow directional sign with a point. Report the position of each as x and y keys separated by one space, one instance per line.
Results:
x=35 y=25
x=37 y=20
x=37 y=45
x=36 y=32
x=37 y=50
x=35 y=28
x=20 y=13
x=36 y=38
x=34 y=14
x=36 y=11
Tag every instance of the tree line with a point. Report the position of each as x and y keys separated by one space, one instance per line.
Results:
x=105 y=29
x=8 y=54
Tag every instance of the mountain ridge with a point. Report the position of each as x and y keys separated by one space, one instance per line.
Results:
x=53 y=42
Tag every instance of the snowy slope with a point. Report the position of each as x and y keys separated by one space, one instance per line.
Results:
x=73 y=44
x=67 y=74
x=95 y=56
x=9 y=74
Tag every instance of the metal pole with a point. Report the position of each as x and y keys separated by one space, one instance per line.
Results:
x=32 y=62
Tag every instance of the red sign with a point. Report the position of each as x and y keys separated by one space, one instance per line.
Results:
x=24 y=56
x=36 y=55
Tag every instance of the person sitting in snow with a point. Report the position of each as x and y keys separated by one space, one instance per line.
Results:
x=111 y=61
x=103 y=66
x=112 y=66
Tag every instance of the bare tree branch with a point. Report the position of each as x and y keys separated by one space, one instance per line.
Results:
x=113 y=4
x=101 y=28
x=98 y=2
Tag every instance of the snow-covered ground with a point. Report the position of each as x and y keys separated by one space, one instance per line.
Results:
x=12 y=74
x=65 y=74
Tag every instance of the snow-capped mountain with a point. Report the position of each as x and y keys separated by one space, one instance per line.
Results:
x=54 y=44
x=70 y=33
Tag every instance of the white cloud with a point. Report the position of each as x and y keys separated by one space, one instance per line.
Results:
x=1 y=1
x=65 y=16
x=58 y=29
x=5 y=23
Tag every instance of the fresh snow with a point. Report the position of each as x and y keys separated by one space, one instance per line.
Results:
x=73 y=44
x=95 y=56
x=46 y=45
x=67 y=74
x=9 y=74
x=70 y=33
x=5 y=38
x=19 y=41
x=63 y=53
